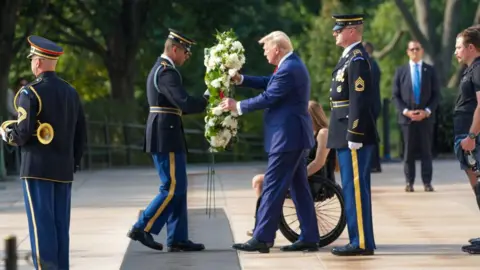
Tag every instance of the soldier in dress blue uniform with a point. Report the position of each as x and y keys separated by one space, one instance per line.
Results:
x=165 y=140
x=352 y=132
x=50 y=129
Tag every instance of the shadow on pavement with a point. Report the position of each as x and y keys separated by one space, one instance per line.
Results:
x=214 y=232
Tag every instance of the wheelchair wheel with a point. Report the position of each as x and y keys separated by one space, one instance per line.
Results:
x=330 y=210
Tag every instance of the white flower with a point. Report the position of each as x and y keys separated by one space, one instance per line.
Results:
x=217 y=110
x=215 y=141
x=233 y=61
x=220 y=47
x=211 y=122
x=226 y=136
x=235 y=114
x=237 y=46
x=226 y=81
x=217 y=83
x=229 y=122
x=232 y=72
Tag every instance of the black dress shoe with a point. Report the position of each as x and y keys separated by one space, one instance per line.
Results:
x=350 y=250
x=145 y=238
x=428 y=188
x=474 y=241
x=185 y=246
x=253 y=245
x=471 y=249
x=409 y=188
x=300 y=246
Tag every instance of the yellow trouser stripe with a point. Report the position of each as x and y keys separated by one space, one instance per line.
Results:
x=35 y=235
x=171 y=191
x=358 y=199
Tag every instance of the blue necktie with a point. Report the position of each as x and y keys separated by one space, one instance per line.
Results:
x=416 y=83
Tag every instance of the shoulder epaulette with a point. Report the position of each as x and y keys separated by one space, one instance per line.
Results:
x=357 y=51
x=165 y=64
x=34 y=82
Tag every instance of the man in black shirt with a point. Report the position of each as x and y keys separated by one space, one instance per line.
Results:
x=466 y=119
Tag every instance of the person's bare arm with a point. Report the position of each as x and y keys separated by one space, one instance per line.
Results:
x=321 y=154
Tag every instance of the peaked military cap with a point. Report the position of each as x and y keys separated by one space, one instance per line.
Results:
x=44 y=48
x=343 y=20
x=181 y=39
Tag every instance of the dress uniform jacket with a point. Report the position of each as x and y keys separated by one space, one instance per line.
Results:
x=351 y=100
x=168 y=100
x=49 y=99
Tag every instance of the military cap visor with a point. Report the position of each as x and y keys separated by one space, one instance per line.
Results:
x=44 y=48
x=181 y=39
x=342 y=21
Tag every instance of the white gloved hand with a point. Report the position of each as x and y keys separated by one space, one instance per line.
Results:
x=4 y=134
x=354 y=145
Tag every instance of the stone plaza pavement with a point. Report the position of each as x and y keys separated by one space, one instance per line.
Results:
x=413 y=231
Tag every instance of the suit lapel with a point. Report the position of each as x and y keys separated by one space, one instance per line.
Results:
x=284 y=63
x=409 y=78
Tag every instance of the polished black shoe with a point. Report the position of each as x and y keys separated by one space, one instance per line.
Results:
x=428 y=188
x=350 y=250
x=145 y=238
x=300 y=246
x=409 y=188
x=253 y=245
x=471 y=249
x=475 y=241
x=185 y=246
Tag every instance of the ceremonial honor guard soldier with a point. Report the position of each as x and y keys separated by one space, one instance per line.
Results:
x=352 y=132
x=165 y=140
x=50 y=129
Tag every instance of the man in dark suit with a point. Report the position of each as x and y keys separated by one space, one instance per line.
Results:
x=352 y=132
x=416 y=96
x=165 y=140
x=288 y=138
x=377 y=102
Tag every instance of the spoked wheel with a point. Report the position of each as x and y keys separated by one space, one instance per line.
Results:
x=330 y=210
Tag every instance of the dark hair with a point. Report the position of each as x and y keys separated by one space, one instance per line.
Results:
x=369 y=45
x=19 y=80
x=471 y=35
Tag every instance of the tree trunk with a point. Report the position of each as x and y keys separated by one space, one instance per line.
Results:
x=121 y=80
x=8 y=21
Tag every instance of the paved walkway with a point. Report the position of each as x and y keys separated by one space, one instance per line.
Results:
x=413 y=231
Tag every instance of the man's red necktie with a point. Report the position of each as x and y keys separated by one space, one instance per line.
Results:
x=275 y=70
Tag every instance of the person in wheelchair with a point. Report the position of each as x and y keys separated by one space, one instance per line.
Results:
x=321 y=161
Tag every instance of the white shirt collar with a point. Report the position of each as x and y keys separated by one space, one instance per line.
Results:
x=168 y=58
x=413 y=63
x=283 y=58
x=347 y=49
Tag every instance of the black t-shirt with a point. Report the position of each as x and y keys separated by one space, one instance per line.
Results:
x=467 y=98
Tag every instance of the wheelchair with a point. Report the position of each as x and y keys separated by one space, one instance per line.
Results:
x=329 y=207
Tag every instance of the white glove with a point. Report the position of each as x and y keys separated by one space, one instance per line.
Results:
x=4 y=134
x=354 y=145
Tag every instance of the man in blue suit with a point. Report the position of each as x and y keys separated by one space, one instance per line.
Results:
x=288 y=134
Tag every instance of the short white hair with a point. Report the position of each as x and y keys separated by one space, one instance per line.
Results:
x=278 y=38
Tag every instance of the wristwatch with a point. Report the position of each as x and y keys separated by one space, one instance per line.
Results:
x=472 y=135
